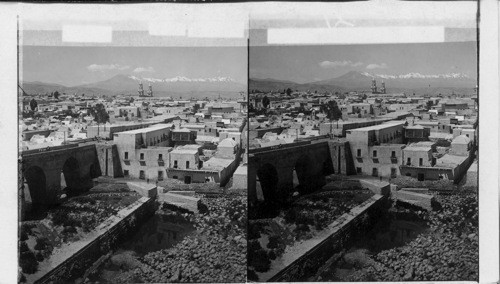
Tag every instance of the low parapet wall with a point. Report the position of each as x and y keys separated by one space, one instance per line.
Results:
x=301 y=258
x=76 y=257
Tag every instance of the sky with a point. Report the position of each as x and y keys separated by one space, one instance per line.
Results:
x=304 y=64
x=73 y=66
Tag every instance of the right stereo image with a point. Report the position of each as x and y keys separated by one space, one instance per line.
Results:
x=362 y=151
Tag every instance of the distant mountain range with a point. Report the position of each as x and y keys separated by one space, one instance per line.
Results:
x=361 y=81
x=126 y=84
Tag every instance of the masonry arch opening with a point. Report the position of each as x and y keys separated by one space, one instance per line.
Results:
x=35 y=183
x=268 y=178
x=70 y=175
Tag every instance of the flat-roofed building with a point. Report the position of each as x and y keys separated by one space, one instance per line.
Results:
x=377 y=150
x=143 y=152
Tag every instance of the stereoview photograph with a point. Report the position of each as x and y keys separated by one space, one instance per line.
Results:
x=362 y=160
x=131 y=160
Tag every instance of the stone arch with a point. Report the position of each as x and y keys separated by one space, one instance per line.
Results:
x=37 y=184
x=95 y=171
x=71 y=174
x=301 y=169
x=268 y=178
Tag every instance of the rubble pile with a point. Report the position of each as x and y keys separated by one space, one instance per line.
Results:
x=215 y=253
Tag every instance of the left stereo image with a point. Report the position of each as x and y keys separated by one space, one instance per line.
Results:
x=132 y=164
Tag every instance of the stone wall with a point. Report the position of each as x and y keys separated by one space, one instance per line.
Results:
x=111 y=233
x=344 y=230
x=107 y=155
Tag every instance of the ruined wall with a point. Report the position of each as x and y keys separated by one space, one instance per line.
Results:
x=316 y=256
x=81 y=260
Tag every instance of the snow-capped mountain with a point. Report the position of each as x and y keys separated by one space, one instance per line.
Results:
x=418 y=76
x=128 y=84
x=359 y=80
x=184 y=79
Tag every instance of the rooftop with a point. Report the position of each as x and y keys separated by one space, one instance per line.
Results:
x=151 y=128
x=378 y=127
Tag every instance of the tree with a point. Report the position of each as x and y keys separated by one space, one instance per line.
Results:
x=289 y=91
x=332 y=111
x=33 y=104
x=56 y=95
x=273 y=119
x=265 y=102
x=196 y=107
x=100 y=115
x=429 y=104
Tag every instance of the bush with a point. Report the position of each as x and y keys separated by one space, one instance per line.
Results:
x=302 y=227
x=260 y=261
x=272 y=255
x=24 y=236
x=253 y=230
x=69 y=230
x=252 y=276
x=28 y=262
x=273 y=242
x=23 y=247
x=305 y=218
x=291 y=215
x=41 y=243
x=39 y=257
x=253 y=245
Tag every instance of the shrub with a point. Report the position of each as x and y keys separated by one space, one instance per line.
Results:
x=291 y=215
x=273 y=242
x=253 y=245
x=271 y=254
x=252 y=276
x=23 y=247
x=39 y=257
x=260 y=261
x=28 y=262
x=23 y=236
x=304 y=218
x=69 y=230
x=41 y=243
x=253 y=231
x=302 y=227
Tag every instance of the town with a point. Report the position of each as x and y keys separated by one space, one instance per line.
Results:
x=98 y=168
x=325 y=165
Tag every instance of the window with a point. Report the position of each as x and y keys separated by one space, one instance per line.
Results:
x=375 y=172
x=142 y=156
x=175 y=164
x=408 y=162
x=125 y=173
x=187 y=164
x=375 y=153
x=393 y=173
x=359 y=152
x=160 y=157
x=160 y=175
x=420 y=162
x=393 y=154
x=358 y=170
x=142 y=175
x=126 y=155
